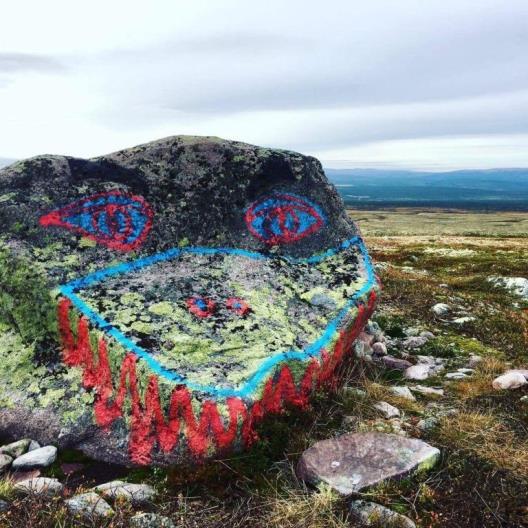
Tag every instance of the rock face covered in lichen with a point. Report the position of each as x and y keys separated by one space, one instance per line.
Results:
x=156 y=303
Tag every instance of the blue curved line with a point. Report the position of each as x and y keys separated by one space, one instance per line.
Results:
x=245 y=391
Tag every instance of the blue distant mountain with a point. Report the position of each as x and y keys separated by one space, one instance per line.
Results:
x=494 y=189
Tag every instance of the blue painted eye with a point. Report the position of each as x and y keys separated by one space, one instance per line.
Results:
x=114 y=219
x=283 y=219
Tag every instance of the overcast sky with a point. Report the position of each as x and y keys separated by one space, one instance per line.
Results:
x=436 y=84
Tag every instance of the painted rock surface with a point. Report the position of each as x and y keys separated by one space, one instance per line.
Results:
x=156 y=303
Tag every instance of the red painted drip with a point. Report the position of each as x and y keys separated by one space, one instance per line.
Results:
x=151 y=427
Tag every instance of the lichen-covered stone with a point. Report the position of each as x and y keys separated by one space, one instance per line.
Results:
x=157 y=302
x=89 y=506
x=355 y=461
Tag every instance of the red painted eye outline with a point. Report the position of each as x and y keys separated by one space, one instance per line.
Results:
x=238 y=306
x=114 y=219
x=201 y=307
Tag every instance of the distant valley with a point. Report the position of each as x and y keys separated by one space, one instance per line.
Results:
x=495 y=189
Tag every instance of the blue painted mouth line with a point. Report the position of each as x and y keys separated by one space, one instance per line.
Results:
x=246 y=390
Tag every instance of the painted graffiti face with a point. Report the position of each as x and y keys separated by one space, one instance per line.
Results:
x=197 y=285
x=218 y=320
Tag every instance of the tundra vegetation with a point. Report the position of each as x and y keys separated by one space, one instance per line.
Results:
x=423 y=258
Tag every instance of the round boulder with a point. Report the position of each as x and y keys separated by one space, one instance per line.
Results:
x=157 y=302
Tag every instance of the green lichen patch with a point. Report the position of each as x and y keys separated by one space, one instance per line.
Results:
x=290 y=306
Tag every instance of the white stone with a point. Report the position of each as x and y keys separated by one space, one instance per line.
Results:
x=39 y=486
x=517 y=285
x=403 y=392
x=417 y=372
x=388 y=410
x=427 y=391
x=523 y=372
x=42 y=457
x=463 y=320
x=455 y=375
x=510 y=380
x=426 y=360
x=441 y=309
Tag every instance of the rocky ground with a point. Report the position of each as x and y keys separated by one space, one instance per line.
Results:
x=430 y=368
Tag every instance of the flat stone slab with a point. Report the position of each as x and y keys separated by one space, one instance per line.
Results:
x=162 y=299
x=40 y=486
x=355 y=461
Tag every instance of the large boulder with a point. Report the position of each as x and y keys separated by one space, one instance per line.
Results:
x=157 y=302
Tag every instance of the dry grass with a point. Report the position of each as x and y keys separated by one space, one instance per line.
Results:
x=299 y=509
x=480 y=383
x=485 y=436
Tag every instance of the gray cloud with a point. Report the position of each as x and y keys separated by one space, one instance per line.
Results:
x=299 y=74
x=11 y=63
x=221 y=73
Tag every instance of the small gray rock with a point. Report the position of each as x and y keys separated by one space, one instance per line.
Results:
x=428 y=424
x=426 y=360
x=403 y=392
x=39 y=486
x=89 y=505
x=427 y=391
x=150 y=520
x=417 y=372
x=456 y=376
x=137 y=494
x=441 y=309
x=395 y=363
x=42 y=457
x=387 y=410
x=372 y=514
x=17 y=448
x=414 y=342
x=428 y=335
x=463 y=320
x=379 y=349
x=474 y=361
x=4 y=506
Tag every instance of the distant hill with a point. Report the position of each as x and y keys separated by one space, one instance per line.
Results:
x=4 y=162
x=494 y=189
